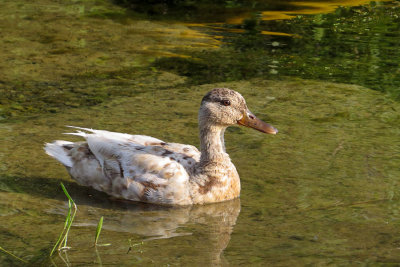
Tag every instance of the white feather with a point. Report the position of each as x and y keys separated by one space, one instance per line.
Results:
x=57 y=151
x=123 y=137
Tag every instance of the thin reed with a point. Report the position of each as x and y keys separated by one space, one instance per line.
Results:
x=63 y=238
x=98 y=230
x=12 y=255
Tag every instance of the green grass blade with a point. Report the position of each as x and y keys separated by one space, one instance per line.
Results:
x=12 y=255
x=66 y=226
x=58 y=242
x=98 y=230
x=63 y=238
x=66 y=193
x=71 y=219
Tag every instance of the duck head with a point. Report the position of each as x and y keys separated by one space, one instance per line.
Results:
x=225 y=107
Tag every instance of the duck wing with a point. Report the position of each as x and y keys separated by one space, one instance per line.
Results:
x=134 y=167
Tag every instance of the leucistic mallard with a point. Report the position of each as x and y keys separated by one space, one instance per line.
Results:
x=146 y=169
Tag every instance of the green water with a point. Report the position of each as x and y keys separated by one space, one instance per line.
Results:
x=324 y=191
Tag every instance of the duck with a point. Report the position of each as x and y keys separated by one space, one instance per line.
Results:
x=146 y=169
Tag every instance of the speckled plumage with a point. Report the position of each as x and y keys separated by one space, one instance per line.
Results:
x=146 y=169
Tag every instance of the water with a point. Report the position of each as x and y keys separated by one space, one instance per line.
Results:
x=323 y=191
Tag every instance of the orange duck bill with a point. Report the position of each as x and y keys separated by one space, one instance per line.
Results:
x=250 y=120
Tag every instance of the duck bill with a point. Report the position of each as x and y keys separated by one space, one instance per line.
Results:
x=250 y=120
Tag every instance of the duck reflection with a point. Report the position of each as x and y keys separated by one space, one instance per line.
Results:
x=210 y=225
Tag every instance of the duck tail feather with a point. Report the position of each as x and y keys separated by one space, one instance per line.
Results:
x=59 y=150
x=81 y=128
x=78 y=133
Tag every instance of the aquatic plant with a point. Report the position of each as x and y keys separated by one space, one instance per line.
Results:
x=63 y=238
x=12 y=255
x=134 y=245
x=98 y=230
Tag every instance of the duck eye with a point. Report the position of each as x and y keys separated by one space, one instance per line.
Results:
x=226 y=102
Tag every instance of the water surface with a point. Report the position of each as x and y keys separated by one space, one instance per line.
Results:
x=323 y=191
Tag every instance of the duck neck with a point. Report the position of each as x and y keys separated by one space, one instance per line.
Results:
x=212 y=145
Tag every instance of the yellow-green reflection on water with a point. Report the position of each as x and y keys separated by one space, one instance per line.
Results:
x=302 y=8
x=45 y=41
x=311 y=8
x=325 y=190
